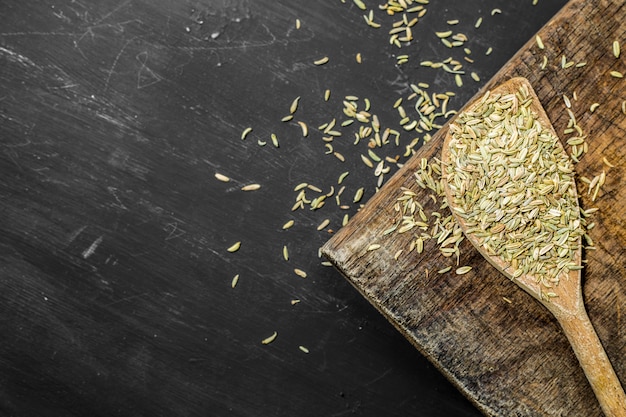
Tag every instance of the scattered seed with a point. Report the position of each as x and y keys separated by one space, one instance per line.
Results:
x=463 y=270
x=496 y=11
x=326 y=95
x=342 y=177
x=323 y=224
x=234 y=282
x=358 y=58
x=366 y=161
x=358 y=195
x=298 y=24
x=285 y=253
x=245 y=132
x=294 y=105
x=321 y=61
x=235 y=247
x=269 y=339
x=305 y=129
x=221 y=177
x=288 y=225
x=360 y=4
x=274 y=140
x=251 y=187
x=478 y=22
x=300 y=273
x=303 y=349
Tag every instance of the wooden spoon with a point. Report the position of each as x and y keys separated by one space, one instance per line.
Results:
x=568 y=306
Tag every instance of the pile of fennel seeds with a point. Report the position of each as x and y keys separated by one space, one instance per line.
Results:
x=514 y=187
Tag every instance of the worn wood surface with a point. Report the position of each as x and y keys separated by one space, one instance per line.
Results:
x=512 y=359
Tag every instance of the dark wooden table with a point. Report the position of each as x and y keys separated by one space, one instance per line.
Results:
x=116 y=283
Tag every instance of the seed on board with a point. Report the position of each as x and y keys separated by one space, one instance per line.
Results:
x=221 y=177
x=616 y=48
x=234 y=247
x=616 y=74
x=463 y=270
x=444 y=270
x=321 y=61
x=539 y=42
x=300 y=273
x=285 y=253
x=245 y=132
x=593 y=107
x=269 y=339
x=567 y=102
x=373 y=246
x=288 y=225
x=234 y=282
x=607 y=163
x=251 y=187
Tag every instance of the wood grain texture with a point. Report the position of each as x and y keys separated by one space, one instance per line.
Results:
x=512 y=358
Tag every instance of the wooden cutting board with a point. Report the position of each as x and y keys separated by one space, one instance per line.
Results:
x=493 y=341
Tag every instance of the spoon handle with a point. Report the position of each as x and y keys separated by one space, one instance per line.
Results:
x=595 y=363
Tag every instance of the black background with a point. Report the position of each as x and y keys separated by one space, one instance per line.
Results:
x=115 y=281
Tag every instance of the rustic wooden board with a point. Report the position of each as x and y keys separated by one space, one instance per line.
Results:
x=511 y=359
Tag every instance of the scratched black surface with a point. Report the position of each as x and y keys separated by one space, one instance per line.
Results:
x=115 y=282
